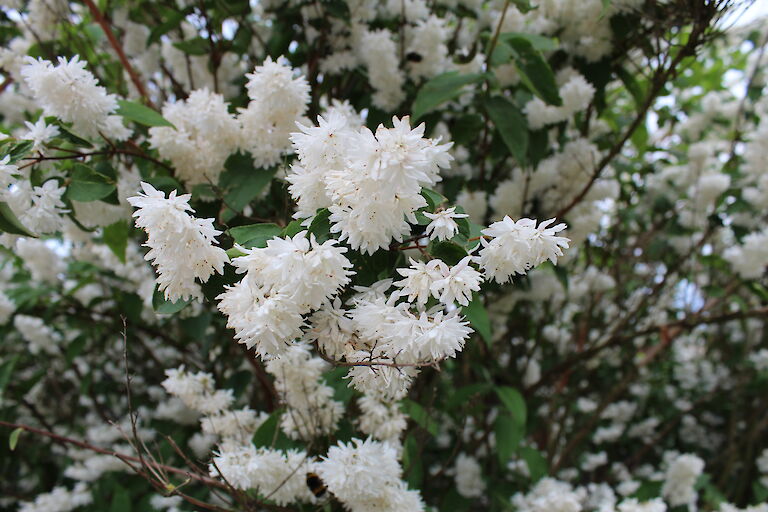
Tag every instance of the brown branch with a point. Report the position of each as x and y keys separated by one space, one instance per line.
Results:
x=119 y=49
x=123 y=457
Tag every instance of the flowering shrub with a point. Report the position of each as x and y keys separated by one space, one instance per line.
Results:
x=383 y=256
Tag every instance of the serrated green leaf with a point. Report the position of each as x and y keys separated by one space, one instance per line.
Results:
x=88 y=185
x=9 y=223
x=254 y=235
x=166 y=307
x=511 y=124
x=13 y=439
x=440 y=89
x=514 y=402
x=116 y=237
x=477 y=315
x=141 y=114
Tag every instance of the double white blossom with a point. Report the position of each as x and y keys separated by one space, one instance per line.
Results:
x=181 y=246
x=70 y=92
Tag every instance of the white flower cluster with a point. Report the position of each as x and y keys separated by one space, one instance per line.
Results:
x=39 y=336
x=276 y=475
x=203 y=135
x=442 y=225
x=366 y=476
x=468 y=476
x=680 y=479
x=181 y=246
x=284 y=280
x=278 y=102
x=371 y=183
x=71 y=93
x=378 y=52
x=576 y=94
x=311 y=410
x=435 y=278
x=60 y=499
x=518 y=246
x=381 y=420
x=751 y=257
x=197 y=391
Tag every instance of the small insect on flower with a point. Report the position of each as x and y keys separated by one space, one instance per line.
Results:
x=316 y=485
x=414 y=57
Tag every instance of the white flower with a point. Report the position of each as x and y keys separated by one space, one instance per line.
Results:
x=181 y=246
x=60 y=499
x=365 y=475
x=278 y=101
x=420 y=279
x=443 y=227
x=680 y=479
x=439 y=336
x=516 y=247
x=279 y=475
x=311 y=410
x=379 y=53
x=71 y=93
x=40 y=133
x=381 y=420
x=203 y=136
x=457 y=283
x=468 y=477
x=632 y=505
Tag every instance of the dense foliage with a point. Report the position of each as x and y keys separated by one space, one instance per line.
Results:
x=400 y=255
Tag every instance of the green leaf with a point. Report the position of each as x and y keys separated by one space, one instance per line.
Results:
x=166 y=307
x=534 y=70
x=451 y=253
x=478 y=317
x=463 y=394
x=116 y=237
x=6 y=370
x=254 y=235
x=419 y=415
x=195 y=46
x=266 y=434
x=292 y=228
x=434 y=199
x=412 y=462
x=524 y=6
x=509 y=433
x=75 y=348
x=541 y=43
x=537 y=464
x=9 y=223
x=88 y=185
x=19 y=151
x=511 y=124
x=141 y=114
x=242 y=181
x=440 y=89
x=233 y=253
x=13 y=439
x=321 y=225
x=514 y=402
x=121 y=500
